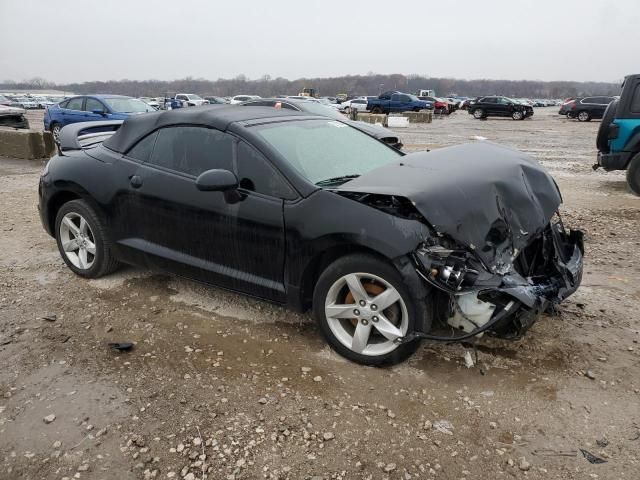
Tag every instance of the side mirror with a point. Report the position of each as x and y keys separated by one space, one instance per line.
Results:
x=99 y=112
x=217 y=181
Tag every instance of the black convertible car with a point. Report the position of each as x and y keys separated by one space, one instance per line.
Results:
x=310 y=212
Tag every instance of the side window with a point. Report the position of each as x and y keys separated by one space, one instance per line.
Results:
x=286 y=106
x=142 y=150
x=635 y=100
x=404 y=98
x=192 y=150
x=256 y=174
x=261 y=103
x=395 y=98
x=75 y=103
x=63 y=104
x=588 y=100
x=489 y=100
x=92 y=104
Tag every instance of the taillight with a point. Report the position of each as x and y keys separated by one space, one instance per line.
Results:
x=574 y=106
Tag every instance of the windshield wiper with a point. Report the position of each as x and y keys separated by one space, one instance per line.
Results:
x=336 y=180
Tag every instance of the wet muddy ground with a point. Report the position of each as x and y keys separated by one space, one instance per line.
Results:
x=221 y=386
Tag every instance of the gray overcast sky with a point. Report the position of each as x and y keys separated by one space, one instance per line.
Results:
x=79 y=40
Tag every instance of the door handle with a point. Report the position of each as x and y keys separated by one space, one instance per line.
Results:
x=136 y=181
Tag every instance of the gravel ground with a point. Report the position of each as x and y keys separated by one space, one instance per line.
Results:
x=220 y=386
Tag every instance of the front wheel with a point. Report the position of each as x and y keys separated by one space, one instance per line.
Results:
x=83 y=240
x=478 y=113
x=376 y=110
x=633 y=174
x=363 y=307
x=584 y=116
x=517 y=115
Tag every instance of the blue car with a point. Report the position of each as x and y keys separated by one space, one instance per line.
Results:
x=88 y=108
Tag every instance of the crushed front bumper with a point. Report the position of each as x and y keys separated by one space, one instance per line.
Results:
x=544 y=274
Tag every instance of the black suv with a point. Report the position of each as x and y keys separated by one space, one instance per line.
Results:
x=586 y=108
x=494 y=106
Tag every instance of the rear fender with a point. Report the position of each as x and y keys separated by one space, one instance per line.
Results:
x=628 y=136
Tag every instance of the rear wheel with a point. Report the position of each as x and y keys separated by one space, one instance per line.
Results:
x=362 y=307
x=83 y=240
x=376 y=110
x=633 y=174
x=347 y=110
x=478 y=113
x=584 y=116
x=55 y=131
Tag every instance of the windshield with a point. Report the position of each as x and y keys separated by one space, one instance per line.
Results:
x=326 y=149
x=320 y=109
x=194 y=97
x=413 y=97
x=127 y=105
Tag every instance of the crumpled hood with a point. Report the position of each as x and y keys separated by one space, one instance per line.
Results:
x=488 y=197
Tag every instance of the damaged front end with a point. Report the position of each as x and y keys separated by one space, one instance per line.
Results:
x=498 y=254
x=474 y=299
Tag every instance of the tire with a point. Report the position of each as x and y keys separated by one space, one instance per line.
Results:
x=517 y=115
x=478 y=113
x=90 y=231
x=584 y=116
x=633 y=174
x=55 y=131
x=399 y=318
x=602 y=140
x=376 y=110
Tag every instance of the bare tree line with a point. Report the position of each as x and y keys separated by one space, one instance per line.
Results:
x=370 y=84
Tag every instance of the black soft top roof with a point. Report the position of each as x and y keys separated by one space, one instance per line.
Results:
x=216 y=116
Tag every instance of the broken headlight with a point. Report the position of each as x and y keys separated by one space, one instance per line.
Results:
x=449 y=269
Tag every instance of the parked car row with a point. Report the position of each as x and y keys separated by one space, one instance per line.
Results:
x=28 y=101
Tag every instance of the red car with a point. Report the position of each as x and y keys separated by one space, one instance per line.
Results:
x=439 y=106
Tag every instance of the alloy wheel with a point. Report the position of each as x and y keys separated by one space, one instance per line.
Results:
x=55 y=131
x=77 y=240
x=366 y=314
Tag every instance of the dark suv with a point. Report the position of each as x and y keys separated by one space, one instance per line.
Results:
x=495 y=106
x=586 y=108
x=618 y=139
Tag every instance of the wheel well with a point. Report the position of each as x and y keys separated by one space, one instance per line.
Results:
x=56 y=202
x=320 y=262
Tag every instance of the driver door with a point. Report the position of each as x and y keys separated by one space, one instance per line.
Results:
x=231 y=239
